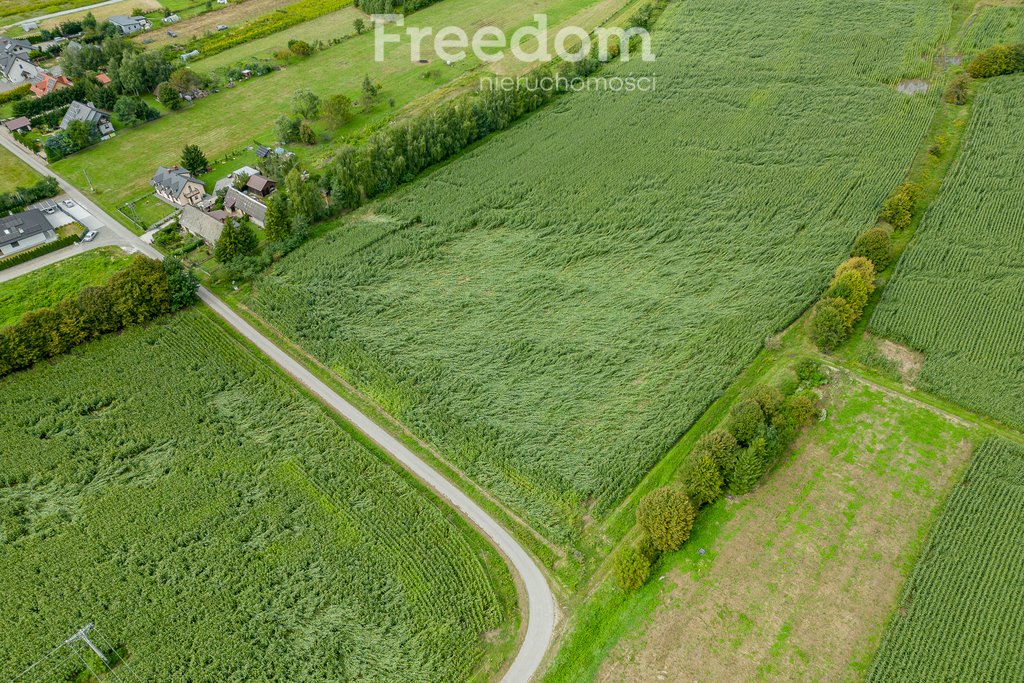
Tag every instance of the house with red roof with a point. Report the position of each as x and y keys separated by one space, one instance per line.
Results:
x=46 y=83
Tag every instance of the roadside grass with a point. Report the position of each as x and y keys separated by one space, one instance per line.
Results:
x=102 y=13
x=14 y=173
x=226 y=122
x=53 y=283
x=839 y=523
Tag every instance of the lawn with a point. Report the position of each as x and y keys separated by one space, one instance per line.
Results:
x=56 y=282
x=15 y=173
x=226 y=122
x=955 y=295
x=959 y=616
x=798 y=578
x=216 y=523
x=553 y=309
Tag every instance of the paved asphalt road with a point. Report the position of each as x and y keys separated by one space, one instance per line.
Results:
x=539 y=598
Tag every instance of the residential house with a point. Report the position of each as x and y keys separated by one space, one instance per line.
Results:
x=176 y=185
x=229 y=180
x=238 y=204
x=24 y=230
x=20 y=124
x=47 y=83
x=260 y=185
x=201 y=224
x=15 y=47
x=129 y=25
x=77 y=111
x=16 y=69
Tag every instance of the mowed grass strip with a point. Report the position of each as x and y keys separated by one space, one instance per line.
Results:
x=56 y=282
x=120 y=168
x=955 y=294
x=15 y=173
x=556 y=307
x=168 y=476
x=800 y=576
x=959 y=616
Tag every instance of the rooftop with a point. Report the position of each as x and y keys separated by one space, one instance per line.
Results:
x=22 y=225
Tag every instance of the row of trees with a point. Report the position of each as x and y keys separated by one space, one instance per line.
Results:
x=141 y=292
x=43 y=189
x=732 y=458
x=843 y=303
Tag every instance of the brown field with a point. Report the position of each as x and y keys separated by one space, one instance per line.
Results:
x=201 y=24
x=808 y=569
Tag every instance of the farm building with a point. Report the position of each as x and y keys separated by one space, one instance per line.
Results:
x=260 y=185
x=78 y=111
x=176 y=185
x=201 y=224
x=238 y=204
x=24 y=230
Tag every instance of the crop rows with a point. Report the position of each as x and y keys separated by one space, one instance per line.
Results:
x=959 y=617
x=220 y=526
x=993 y=26
x=579 y=288
x=956 y=292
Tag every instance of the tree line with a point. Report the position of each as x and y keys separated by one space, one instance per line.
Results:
x=144 y=290
x=42 y=189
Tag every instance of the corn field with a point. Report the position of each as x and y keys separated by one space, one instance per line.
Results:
x=959 y=617
x=956 y=293
x=218 y=525
x=555 y=307
x=993 y=26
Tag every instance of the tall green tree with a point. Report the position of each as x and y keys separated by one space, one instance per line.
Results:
x=193 y=159
x=277 y=224
x=237 y=239
x=666 y=515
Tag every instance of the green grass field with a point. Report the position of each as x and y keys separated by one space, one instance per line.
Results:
x=56 y=282
x=121 y=168
x=15 y=173
x=838 y=523
x=959 y=617
x=216 y=523
x=577 y=290
x=955 y=294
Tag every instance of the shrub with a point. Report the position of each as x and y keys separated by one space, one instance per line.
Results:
x=831 y=324
x=958 y=89
x=750 y=467
x=703 y=480
x=15 y=93
x=998 y=60
x=721 y=446
x=808 y=370
x=169 y=96
x=801 y=410
x=768 y=397
x=875 y=245
x=898 y=209
x=788 y=383
x=850 y=287
x=43 y=189
x=745 y=418
x=300 y=48
x=861 y=265
x=666 y=517
x=632 y=569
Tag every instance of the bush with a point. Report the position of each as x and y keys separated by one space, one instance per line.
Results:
x=831 y=324
x=750 y=467
x=768 y=397
x=875 y=245
x=745 y=418
x=898 y=209
x=15 y=93
x=788 y=383
x=23 y=256
x=666 y=517
x=958 y=89
x=632 y=569
x=850 y=287
x=801 y=410
x=721 y=446
x=703 y=480
x=998 y=60
x=860 y=265
x=300 y=48
x=808 y=370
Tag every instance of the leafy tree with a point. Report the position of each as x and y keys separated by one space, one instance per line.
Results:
x=861 y=265
x=140 y=292
x=306 y=104
x=831 y=324
x=745 y=418
x=89 y=21
x=336 y=111
x=851 y=288
x=287 y=128
x=666 y=515
x=168 y=96
x=958 y=89
x=632 y=569
x=898 y=209
x=359 y=25
x=703 y=480
x=300 y=48
x=370 y=93
x=801 y=410
x=304 y=201
x=306 y=133
x=998 y=60
x=767 y=397
x=132 y=110
x=81 y=134
x=181 y=283
x=277 y=224
x=750 y=467
x=185 y=80
x=193 y=159
x=875 y=245
x=238 y=239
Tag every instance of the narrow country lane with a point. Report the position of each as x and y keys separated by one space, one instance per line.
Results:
x=540 y=601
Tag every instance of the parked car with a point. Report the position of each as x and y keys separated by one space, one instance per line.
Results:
x=68 y=203
x=50 y=209
x=90 y=236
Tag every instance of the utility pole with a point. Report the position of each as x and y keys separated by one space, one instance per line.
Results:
x=83 y=635
x=91 y=188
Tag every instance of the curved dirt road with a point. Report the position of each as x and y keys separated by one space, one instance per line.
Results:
x=540 y=601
